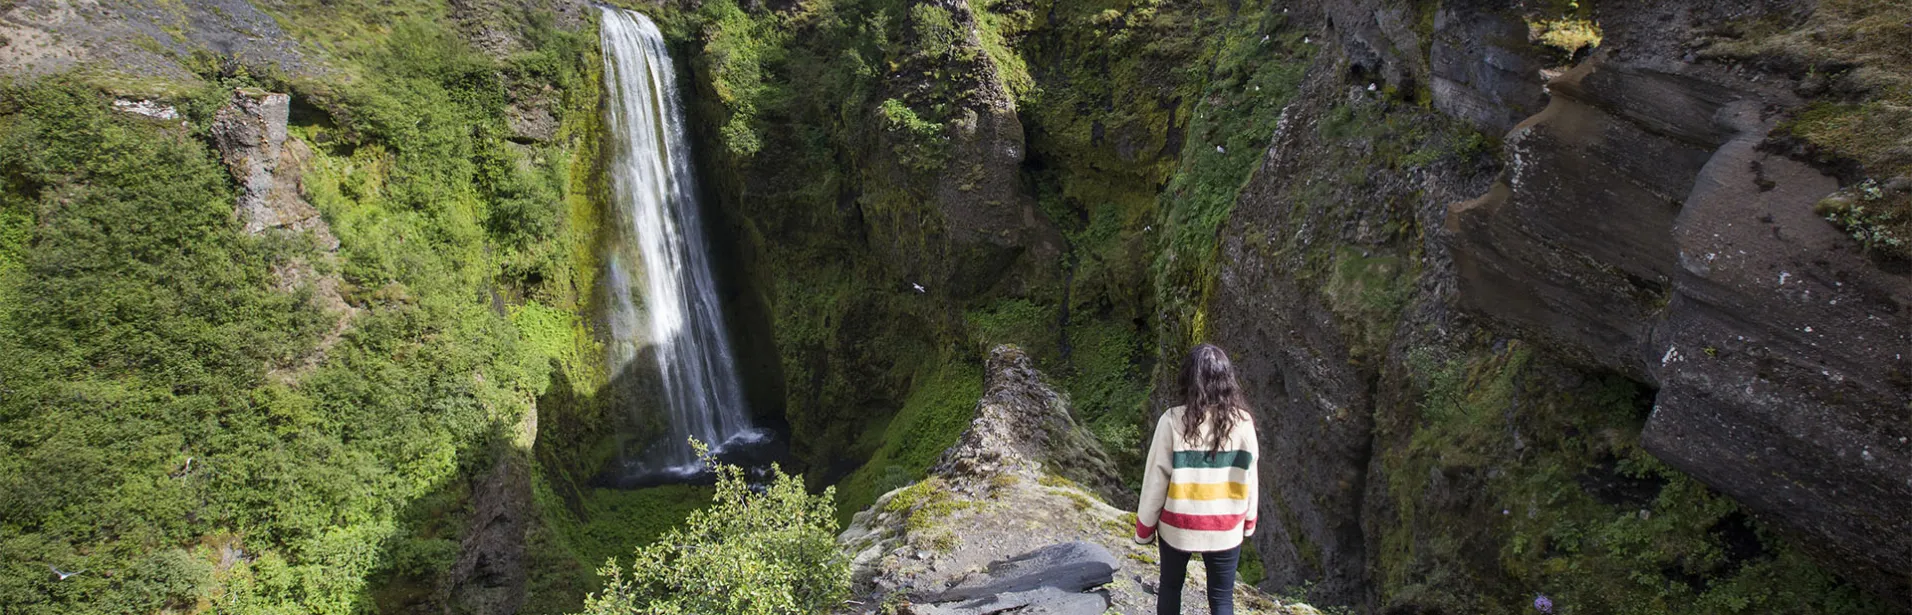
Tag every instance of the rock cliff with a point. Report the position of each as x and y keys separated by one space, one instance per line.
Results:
x=1641 y=219
x=1642 y=229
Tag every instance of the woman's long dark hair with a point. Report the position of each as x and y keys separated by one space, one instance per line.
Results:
x=1209 y=393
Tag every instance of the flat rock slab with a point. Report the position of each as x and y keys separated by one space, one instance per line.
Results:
x=1072 y=567
x=1041 y=601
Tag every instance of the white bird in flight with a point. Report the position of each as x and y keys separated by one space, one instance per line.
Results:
x=63 y=574
x=919 y=287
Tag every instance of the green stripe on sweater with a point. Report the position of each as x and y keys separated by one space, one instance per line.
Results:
x=1221 y=459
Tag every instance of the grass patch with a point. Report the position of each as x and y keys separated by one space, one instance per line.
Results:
x=1856 y=56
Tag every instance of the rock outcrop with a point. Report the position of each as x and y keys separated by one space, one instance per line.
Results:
x=971 y=224
x=489 y=576
x=1023 y=427
x=142 y=38
x=250 y=133
x=995 y=529
x=1642 y=229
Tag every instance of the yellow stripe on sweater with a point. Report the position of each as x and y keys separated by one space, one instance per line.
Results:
x=1208 y=491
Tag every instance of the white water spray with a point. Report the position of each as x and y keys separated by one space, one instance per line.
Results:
x=679 y=323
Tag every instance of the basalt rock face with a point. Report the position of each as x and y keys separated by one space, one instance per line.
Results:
x=1480 y=68
x=1638 y=233
x=969 y=224
x=1641 y=229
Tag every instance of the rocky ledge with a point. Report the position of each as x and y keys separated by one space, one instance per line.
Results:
x=998 y=528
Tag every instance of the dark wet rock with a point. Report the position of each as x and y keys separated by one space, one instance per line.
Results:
x=1052 y=579
x=489 y=576
x=1043 y=600
x=1071 y=566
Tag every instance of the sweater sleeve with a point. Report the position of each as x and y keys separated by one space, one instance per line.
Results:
x=1155 y=474
x=1254 y=482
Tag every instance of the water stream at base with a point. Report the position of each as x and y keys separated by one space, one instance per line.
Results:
x=663 y=296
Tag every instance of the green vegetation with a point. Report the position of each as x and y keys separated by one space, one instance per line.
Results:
x=213 y=458
x=736 y=48
x=750 y=553
x=921 y=143
x=1569 y=35
x=1258 y=69
x=1370 y=289
x=941 y=404
x=1865 y=212
x=1571 y=506
x=139 y=324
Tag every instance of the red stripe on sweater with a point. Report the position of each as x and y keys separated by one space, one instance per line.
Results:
x=1207 y=523
x=1144 y=531
x=1248 y=525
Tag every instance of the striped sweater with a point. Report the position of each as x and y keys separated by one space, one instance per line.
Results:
x=1201 y=502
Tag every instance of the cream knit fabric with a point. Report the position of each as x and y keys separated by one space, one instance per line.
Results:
x=1201 y=501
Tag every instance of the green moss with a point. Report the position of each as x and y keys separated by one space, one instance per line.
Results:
x=1257 y=71
x=1057 y=481
x=941 y=404
x=1250 y=572
x=926 y=503
x=1568 y=35
x=1021 y=322
x=1369 y=291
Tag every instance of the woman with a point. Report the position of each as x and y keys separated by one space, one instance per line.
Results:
x=1200 y=484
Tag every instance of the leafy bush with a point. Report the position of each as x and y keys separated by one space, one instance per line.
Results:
x=768 y=552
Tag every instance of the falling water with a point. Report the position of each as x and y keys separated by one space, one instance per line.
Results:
x=678 y=319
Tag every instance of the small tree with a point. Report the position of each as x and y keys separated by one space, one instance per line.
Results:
x=769 y=552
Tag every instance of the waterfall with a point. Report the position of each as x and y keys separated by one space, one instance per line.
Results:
x=667 y=308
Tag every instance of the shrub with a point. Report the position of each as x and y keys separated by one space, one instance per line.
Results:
x=752 y=552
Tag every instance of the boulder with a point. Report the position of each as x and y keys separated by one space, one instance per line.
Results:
x=1051 y=579
x=1071 y=566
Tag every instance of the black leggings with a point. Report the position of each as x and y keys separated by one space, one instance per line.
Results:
x=1221 y=580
